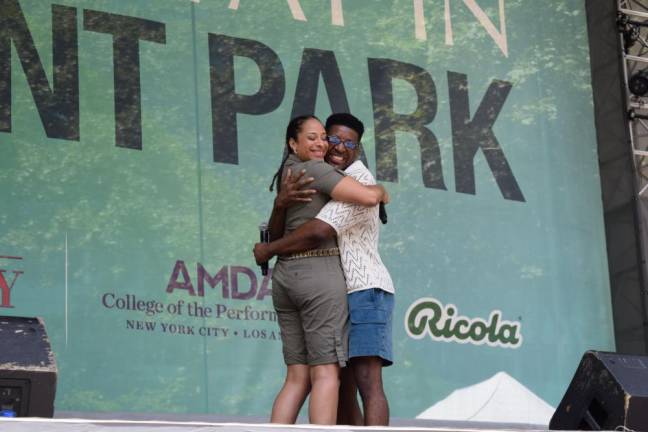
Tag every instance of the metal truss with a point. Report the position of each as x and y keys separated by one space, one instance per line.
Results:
x=628 y=245
x=633 y=35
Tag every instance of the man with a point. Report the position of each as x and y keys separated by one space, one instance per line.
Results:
x=369 y=286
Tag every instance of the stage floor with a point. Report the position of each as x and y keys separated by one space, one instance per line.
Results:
x=129 y=422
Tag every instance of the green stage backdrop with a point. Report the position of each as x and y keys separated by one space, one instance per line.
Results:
x=138 y=140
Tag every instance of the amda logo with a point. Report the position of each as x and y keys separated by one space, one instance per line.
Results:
x=7 y=281
x=443 y=323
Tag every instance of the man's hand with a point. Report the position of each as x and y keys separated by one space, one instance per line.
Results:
x=291 y=191
x=262 y=253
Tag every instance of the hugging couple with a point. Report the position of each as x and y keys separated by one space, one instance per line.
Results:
x=333 y=296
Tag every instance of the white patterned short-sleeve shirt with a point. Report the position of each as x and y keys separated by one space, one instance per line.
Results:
x=358 y=229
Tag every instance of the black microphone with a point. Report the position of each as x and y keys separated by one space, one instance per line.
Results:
x=382 y=213
x=264 y=235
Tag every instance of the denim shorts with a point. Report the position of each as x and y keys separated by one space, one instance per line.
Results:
x=370 y=314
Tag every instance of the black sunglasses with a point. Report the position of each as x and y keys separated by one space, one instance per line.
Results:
x=335 y=140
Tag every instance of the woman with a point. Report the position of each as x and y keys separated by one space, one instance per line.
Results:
x=309 y=290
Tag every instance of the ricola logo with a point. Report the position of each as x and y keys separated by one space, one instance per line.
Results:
x=443 y=323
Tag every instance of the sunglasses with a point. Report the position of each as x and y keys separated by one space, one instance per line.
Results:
x=335 y=140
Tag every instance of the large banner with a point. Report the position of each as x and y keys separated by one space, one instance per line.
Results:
x=138 y=140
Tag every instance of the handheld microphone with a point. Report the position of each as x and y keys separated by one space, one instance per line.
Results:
x=382 y=213
x=264 y=236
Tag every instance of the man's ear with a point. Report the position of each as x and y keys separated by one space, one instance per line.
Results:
x=359 y=149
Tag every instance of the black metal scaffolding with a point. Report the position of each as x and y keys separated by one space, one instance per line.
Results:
x=618 y=37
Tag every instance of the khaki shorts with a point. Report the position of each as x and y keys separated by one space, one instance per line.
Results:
x=309 y=295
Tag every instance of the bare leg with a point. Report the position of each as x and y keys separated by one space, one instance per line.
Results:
x=348 y=409
x=323 y=404
x=292 y=395
x=368 y=375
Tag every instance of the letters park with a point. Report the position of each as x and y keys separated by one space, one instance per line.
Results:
x=58 y=104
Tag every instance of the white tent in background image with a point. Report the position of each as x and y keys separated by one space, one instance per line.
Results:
x=499 y=399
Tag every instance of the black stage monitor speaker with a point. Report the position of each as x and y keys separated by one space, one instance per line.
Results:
x=27 y=368
x=609 y=390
